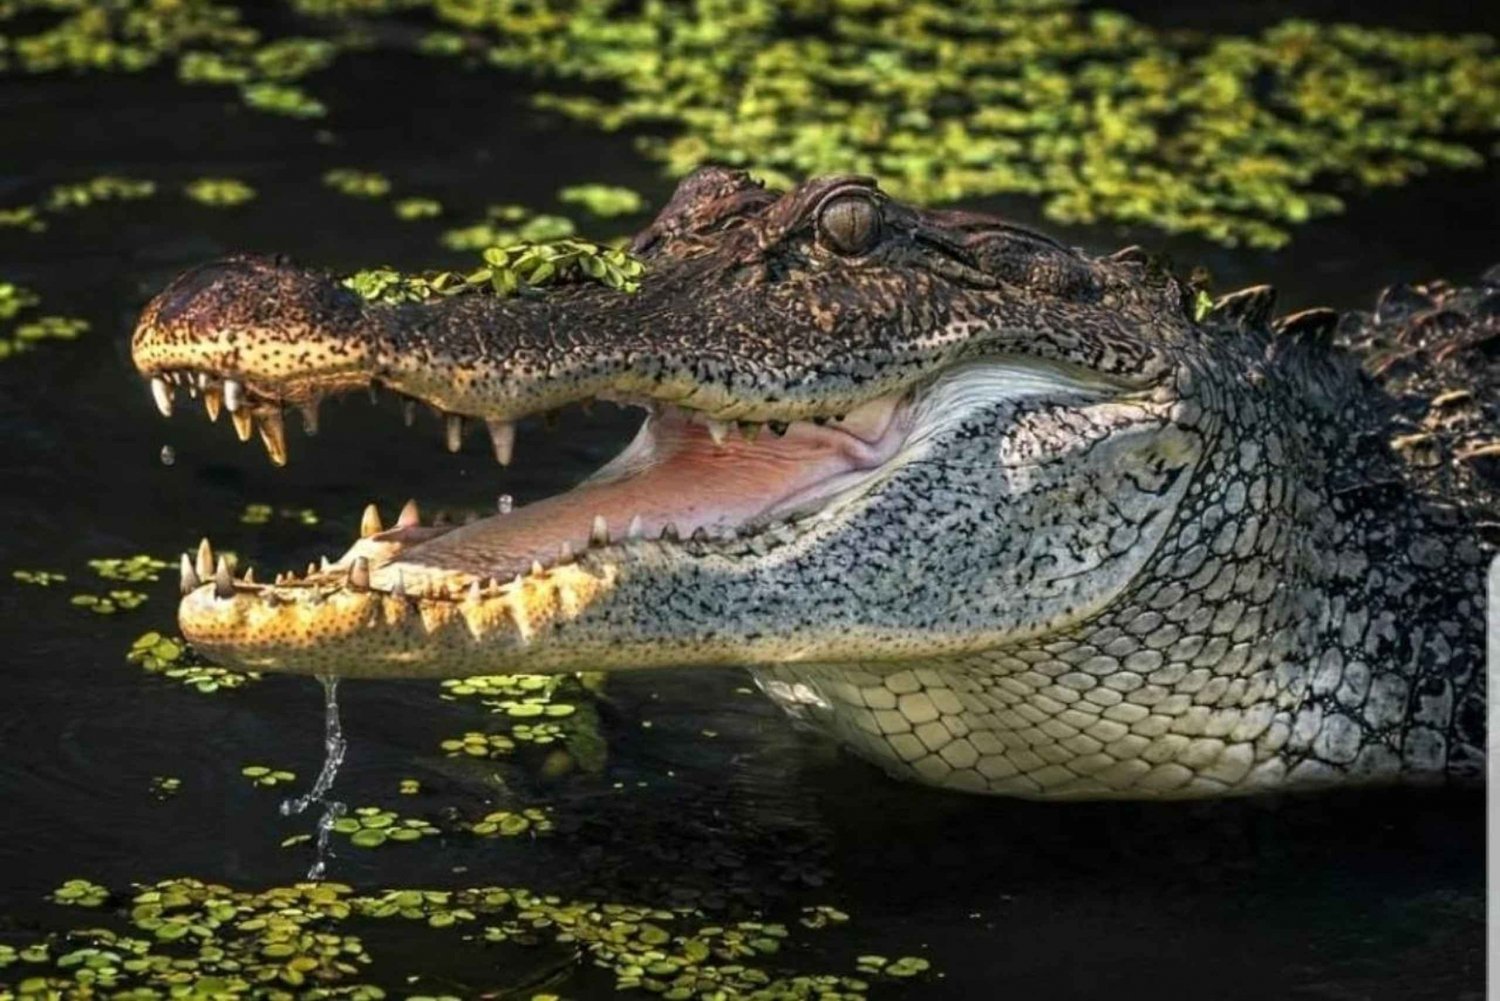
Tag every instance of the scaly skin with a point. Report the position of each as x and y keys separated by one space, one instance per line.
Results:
x=1085 y=546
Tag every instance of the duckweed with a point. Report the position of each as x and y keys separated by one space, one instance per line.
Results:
x=506 y=271
x=262 y=514
x=371 y=827
x=105 y=188
x=14 y=298
x=604 y=200
x=80 y=893
x=264 y=775
x=410 y=787
x=220 y=192
x=165 y=786
x=110 y=603
x=172 y=658
x=357 y=183
x=510 y=823
x=478 y=745
x=417 y=208
x=40 y=578
x=135 y=569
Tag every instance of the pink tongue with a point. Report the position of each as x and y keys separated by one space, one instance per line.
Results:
x=690 y=483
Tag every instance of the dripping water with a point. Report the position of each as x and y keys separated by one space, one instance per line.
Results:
x=334 y=746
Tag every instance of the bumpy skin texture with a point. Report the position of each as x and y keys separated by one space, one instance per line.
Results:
x=1207 y=556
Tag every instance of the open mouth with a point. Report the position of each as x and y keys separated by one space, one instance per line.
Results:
x=685 y=480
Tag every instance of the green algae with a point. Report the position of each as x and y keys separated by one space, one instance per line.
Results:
x=357 y=183
x=164 y=787
x=38 y=578
x=263 y=514
x=135 y=569
x=265 y=776
x=603 y=200
x=411 y=209
x=371 y=827
x=119 y=600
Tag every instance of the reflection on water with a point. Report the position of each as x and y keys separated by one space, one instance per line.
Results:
x=674 y=789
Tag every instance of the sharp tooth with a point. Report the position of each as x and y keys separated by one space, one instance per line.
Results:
x=473 y=594
x=669 y=531
x=369 y=523
x=309 y=413
x=503 y=435
x=359 y=574
x=700 y=534
x=273 y=436
x=190 y=580
x=410 y=516
x=205 y=560
x=505 y=504
x=518 y=582
x=599 y=531
x=749 y=430
x=162 y=394
x=718 y=430
x=312 y=568
x=223 y=579
x=213 y=402
x=249 y=577
x=636 y=528
x=244 y=423
x=565 y=552
x=453 y=426
x=536 y=568
x=778 y=428
x=201 y=380
x=234 y=395
x=409 y=412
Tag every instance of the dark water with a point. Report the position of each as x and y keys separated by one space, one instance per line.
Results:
x=1355 y=895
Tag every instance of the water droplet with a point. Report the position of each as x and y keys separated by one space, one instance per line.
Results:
x=168 y=455
x=506 y=504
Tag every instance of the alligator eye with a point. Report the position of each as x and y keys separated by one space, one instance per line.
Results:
x=850 y=224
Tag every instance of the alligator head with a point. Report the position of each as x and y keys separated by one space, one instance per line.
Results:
x=877 y=439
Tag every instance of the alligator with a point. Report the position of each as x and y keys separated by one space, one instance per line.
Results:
x=998 y=515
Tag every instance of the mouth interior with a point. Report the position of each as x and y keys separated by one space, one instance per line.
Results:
x=674 y=480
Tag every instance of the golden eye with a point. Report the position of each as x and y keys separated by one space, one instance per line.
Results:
x=850 y=224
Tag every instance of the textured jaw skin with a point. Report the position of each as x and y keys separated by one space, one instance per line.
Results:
x=1001 y=517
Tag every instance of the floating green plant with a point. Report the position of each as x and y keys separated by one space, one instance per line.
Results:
x=371 y=827
x=505 y=225
x=220 y=192
x=357 y=183
x=506 y=271
x=14 y=299
x=110 y=603
x=165 y=786
x=409 y=787
x=171 y=658
x=25 y=217
x=134 y=569
x=262 y=514
x=40 y=578
x=478 y=745
x=80 y=893
x=604 y=200
x=51 y=328
x=105 y=188
x=417 y=208
x=264 y=775
x=511 y=823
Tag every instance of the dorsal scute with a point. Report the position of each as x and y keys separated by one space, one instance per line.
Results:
x=1248 y=309
x=1315 y=325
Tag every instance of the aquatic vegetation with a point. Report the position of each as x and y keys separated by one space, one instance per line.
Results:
x=505 y=225
x=410 y=787
x=14 y=298
x=262 y=514
x=604 y=200
x=478 y=745
x=417 y=208
x=902 y=966
x=357 y=183
x=40 y=578
x=110 y=603
x=220 y=192
x=1235 y=138
x=136 y=569
x=172 y=658
x=164 y=787
x=105 y=188
x=51 y=328
x=24 y=217
x=266 y=776
x=506 y=271
x=371 y=827
x=510 y=823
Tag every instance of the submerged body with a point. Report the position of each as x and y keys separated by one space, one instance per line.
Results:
x=999 y=516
